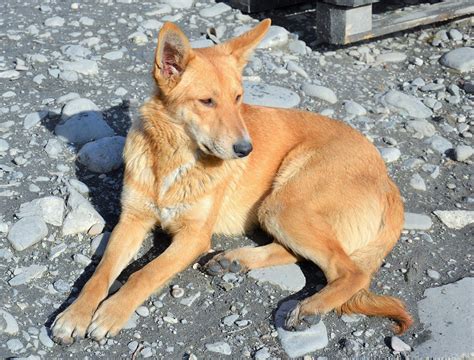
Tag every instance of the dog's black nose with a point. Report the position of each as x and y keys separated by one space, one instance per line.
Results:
x=242 y=148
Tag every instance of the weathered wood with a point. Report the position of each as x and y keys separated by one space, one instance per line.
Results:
x=336 y=23
x=250 y=6
x=344 y=25
x=350 y=3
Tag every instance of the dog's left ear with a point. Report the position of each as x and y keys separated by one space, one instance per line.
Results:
x=172 y=55
x=241 y=47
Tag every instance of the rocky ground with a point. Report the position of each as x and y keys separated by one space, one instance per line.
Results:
x=72 y=76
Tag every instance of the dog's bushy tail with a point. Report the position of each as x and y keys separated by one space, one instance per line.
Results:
x=368 y=303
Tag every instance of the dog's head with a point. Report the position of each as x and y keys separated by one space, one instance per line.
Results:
x=202 y=88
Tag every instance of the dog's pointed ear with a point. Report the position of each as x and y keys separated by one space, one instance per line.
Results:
x=172 y=55
x=241 y=46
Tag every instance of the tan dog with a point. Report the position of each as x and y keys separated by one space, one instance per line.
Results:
x=316 y=185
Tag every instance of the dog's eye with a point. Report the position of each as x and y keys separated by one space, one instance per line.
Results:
x=208 y=102
x=238 y=97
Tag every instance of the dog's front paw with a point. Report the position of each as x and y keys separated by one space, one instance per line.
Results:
x=71 y=323
x=109 y=318
x=219 y=265
x=297 y=321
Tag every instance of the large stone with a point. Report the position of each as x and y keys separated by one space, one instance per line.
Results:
x=461 y=59
x=84 y=66
x=27 y=232
x=269 y=95
x=288 y=277
x=83 y=122
x=275 y=36
x=299 y=343
x=103 y=155
x=421 y=128
x=439 y=144
x=455 y=219
x=417 y=221
x=446 y=312
x=50 y=209
x=215 y=10
x=179 y=4
x=27 y=274
x=320 y=92
x=406 y=105
x=390 y=154
x=76 y=106
x=219 y=347
x=8 y=323
x=82 y=218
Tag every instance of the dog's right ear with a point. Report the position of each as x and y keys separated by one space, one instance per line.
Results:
x=173 y=53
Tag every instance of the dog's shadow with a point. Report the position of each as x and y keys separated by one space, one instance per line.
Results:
x=104 y=195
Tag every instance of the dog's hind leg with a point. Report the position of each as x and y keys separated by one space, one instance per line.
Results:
x=248 y=258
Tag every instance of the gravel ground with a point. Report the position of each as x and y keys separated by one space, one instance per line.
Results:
x=72 y=76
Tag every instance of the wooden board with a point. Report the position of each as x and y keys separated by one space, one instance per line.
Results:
x=406 y=20
x=350 y=3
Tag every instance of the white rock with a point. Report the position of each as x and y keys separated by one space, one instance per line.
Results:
x=287 y=277
x=262 y=354
x=404 y=104
x=463 y=152
x=446 y=312
x=455 y=219
x=4 y=146
x=439 y=144
x=44 y=338
x=461 y=59
x=79 y=186
x=215 y=10
x=8 y=324
x=319 y=92
x=29 y=273
x=417 y=182
x=113 y=55
x=219 y=347
x=269 y=95
x=53 y=148
x=51 y=209
x=276 y=36
x=143 y=311
x=230 y=319
x=14 y=345
x=99 y=243
x=84 y=127
x=421 y=128
x=151 y=24
x=9 y=74
x=390 y=154
x=34 y=119
x=354 y=108
x=398 y=345
x=27 y=232
x=390 y=57
x=188 y=301
x=138 y=38
x=417 y=221
x=75 y=51
x=84 y=66
x=433 y=274
x=82 y=217
x=179 y=4
x=299 y=343
x=103 y=155
x=55 y=21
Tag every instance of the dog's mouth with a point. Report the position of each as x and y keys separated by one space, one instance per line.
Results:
x=214 y=149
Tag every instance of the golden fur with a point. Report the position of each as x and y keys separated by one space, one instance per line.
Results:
x=319 y=187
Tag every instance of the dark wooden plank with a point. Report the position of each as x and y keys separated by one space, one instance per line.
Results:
x=250 y=6
x=406 y=20
x=350 y=3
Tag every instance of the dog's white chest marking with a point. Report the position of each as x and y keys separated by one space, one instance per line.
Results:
x=167 y=214
x=174 y=176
